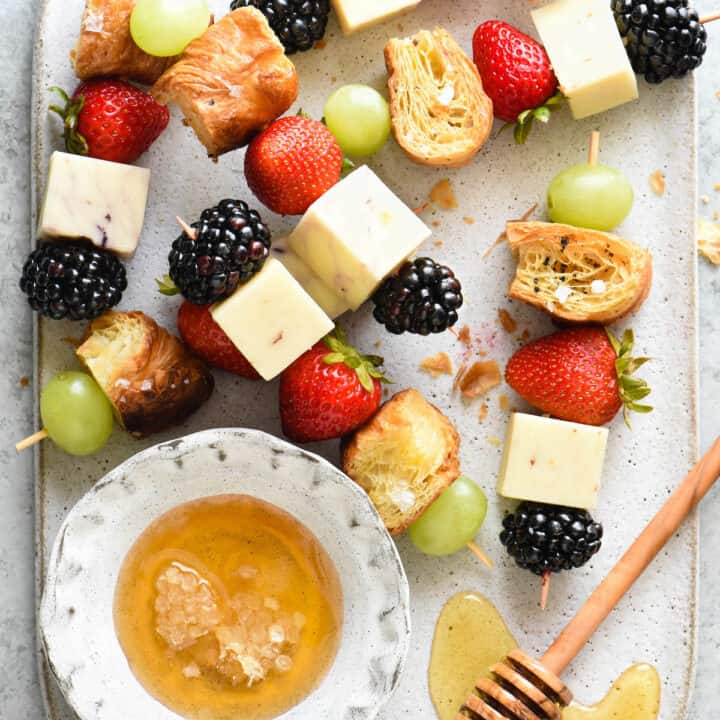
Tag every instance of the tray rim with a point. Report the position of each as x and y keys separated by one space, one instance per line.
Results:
x=37 y=111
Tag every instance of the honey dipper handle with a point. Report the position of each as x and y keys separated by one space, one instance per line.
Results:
x=633 y=563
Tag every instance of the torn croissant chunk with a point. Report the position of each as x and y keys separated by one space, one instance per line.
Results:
x=578 y=275
x=231 y=82
x=441 y=115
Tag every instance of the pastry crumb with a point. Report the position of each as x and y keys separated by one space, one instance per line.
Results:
x=464 y=335
x=438 y=243
x=321 y=44
x=24 y=381
x=479 y=378
x=435 y=223
x=483 y=412
x=716 y=186
x=525 y=335
x=468 y=220
x=443 y=195
x=494 y=441
x=421 y=208
x=507 y=321
x=437 y=365
x=705 y=199
x=657 y=182
x=482 y=353
x=504 y=401
x=377 y=343
x=708 y=239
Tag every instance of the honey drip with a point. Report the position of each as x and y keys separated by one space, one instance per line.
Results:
x=228 y=607
x=471 y=636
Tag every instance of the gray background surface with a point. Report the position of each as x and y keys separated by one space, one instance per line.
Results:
x=19 y=693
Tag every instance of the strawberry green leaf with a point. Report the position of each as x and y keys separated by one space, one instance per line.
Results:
x=366 y=367
x=631 y=389
x=542 y=113
x=166 y=286
x=74 y=142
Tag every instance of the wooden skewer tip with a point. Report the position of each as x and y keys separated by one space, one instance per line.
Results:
x=545 y=590
x=31 y=440
x=710 y=17
x=480 y=554
x=190 y=232
x=594 y=150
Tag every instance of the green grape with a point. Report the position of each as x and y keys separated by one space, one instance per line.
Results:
x=165 y=27
x=76 y=413
x=590 y=196
x=452 y=521
x=359 y=118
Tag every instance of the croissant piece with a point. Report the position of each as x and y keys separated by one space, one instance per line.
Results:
x=403 y=458
x=150 y=378
x=231 y=82
x=106 y=48
x=441 y=115
x=576 y=274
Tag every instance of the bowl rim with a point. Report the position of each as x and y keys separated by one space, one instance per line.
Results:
x=177 y=448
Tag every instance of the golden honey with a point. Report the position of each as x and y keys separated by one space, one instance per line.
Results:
x=228 y=607
x=471 y=637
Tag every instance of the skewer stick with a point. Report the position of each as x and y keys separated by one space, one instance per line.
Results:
x=31 y=440
x=545 y=590
x=594 y=149
x=710 y=18
x=190 y=232
x=479 y=553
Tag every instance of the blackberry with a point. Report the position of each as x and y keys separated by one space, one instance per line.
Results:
x=73 y=279
x=423 y=298
x=550 y=538
x=297 y=23
x=230 y=245
x=663 y=38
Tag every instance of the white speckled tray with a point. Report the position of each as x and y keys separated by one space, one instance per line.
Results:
x=656 y=622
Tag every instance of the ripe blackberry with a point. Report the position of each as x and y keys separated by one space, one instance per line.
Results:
x=231 y=244
x=297 y=23
x=423 y=298
x=550 y=538
x=73 y=279
x=663 y=38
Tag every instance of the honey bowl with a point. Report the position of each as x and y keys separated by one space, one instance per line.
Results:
x=225 y=574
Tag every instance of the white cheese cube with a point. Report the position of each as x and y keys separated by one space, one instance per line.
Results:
x=356 y=234
x=357 y=15
x=101 y=201
x=272 y=320
x=330 y=302
x=587 y=54
x=552 y=461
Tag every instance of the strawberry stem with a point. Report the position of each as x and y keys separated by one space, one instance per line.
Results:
x=523 y=125
x=366 y=367
x=75 y=143
x=632 y=389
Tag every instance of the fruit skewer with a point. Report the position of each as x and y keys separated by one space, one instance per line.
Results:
x=523 y=678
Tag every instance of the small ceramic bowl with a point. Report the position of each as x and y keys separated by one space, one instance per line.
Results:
x=76 y=619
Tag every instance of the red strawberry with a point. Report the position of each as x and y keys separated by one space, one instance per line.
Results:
x=292 y=163
x=110 y=120
x=329 y=391
x=208 y=341
x=583 y=375
x=516 y=74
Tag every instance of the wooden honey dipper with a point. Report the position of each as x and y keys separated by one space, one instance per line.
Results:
x=527 y=689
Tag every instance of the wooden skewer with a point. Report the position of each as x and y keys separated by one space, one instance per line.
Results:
x=710 y=18
x=524 y=678
x=594 y=150
x=545 y=589
x=31 y=440
x=480 y=554
x=190 y=232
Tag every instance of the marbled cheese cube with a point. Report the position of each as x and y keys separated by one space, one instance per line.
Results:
x=357 y=15
x=356 y=234
x=101 y=201
x=330 y=302
x=272 y=320
x=552 y=461
x=587 y=54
